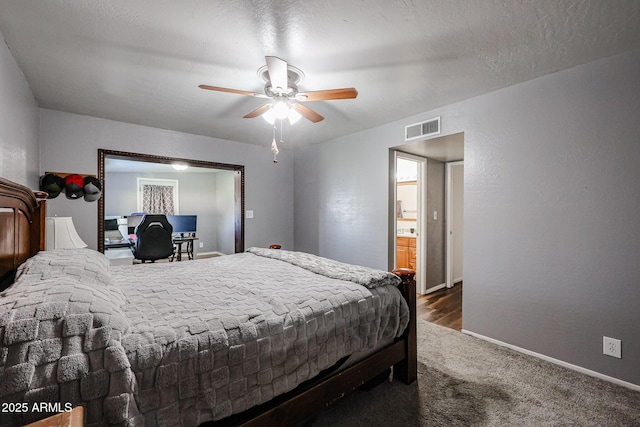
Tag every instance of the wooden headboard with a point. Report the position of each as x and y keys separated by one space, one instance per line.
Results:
x=22 y=219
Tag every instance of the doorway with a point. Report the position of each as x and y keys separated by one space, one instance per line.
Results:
x=409 y=235
x=439 y=152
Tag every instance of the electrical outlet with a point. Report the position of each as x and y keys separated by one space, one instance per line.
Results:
x=612 y=347
x=202 y=244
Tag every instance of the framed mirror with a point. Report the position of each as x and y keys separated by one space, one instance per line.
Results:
x=223 y=208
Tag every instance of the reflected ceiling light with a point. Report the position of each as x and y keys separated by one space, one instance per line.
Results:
x=179 y=166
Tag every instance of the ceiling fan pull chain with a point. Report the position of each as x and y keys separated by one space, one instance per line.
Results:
x=281 y=132
x=274 y=146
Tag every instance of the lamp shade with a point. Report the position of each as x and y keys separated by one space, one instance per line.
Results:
x=60 y=233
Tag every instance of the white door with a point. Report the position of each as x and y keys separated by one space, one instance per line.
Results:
x=455 y=222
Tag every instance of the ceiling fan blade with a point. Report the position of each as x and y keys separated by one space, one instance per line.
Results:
x=277 y=73
x=236 y=91
x=326 y=95
x=308 y=113
x=258 y=111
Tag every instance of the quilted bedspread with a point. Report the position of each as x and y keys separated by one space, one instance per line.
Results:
x=182 y=343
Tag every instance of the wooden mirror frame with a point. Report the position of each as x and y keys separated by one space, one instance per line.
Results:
x=238 y=187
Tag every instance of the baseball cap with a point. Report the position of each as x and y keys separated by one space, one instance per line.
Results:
x=73 y=188
x=52 y=184
x=92 y=189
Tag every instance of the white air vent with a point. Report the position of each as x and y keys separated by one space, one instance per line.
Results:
x=422 y=129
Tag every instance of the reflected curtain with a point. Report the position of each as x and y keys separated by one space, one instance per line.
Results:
x=157 y=199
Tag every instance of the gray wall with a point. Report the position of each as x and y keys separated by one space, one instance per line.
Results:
x=69 y=143
x=552 y=195
x=224 y=201
x=435 y=195
x=341 y=196
x=19 y=153
x=199 y=194
x=457 y=211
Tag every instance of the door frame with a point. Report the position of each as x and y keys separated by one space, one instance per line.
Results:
x=449 y=232
x=421 y=230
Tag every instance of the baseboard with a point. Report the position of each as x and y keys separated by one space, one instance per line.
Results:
x=214 y=253
x=556 y=361
x=458 y=280
x=435 y=288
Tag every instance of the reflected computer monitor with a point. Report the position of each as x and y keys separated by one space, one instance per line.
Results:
x=110 y=224
x=183 y=223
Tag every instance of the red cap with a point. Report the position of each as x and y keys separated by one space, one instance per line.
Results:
x=73 y=187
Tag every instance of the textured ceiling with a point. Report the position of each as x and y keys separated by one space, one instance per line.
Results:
x=142 y=61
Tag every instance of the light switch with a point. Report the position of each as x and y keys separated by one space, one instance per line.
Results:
x=435 y=215
x=249 y=214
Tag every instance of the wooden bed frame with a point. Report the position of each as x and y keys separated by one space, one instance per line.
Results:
x=22 y=219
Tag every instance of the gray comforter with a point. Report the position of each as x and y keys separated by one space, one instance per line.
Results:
x=182 y=343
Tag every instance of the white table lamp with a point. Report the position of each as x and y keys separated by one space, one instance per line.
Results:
x=60 y=233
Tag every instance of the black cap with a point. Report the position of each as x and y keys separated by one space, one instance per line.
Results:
x=52 y=184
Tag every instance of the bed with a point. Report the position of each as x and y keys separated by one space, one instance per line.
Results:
x=265 y=337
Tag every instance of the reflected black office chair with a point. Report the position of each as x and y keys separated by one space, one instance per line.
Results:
x=153 y=238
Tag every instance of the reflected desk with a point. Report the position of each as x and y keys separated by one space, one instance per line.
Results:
x=119 y=252
x=178 y=241
x=113 y=244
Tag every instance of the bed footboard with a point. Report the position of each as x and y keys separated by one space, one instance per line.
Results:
x=407 y=369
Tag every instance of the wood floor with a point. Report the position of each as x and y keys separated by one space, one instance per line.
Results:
x=442 y=307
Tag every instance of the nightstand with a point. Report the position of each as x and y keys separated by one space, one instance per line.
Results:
x=73 y=418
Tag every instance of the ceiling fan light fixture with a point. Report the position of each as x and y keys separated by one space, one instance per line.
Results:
x=281 y=86
x=280 y=110
x=269 y=116
x=293 y=116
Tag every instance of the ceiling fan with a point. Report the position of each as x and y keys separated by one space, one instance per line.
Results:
x=281 y=85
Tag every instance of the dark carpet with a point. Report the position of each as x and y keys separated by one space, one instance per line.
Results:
x=465 y=381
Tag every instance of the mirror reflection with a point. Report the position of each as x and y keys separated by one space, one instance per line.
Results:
x=200 y=203
x=406 y=190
